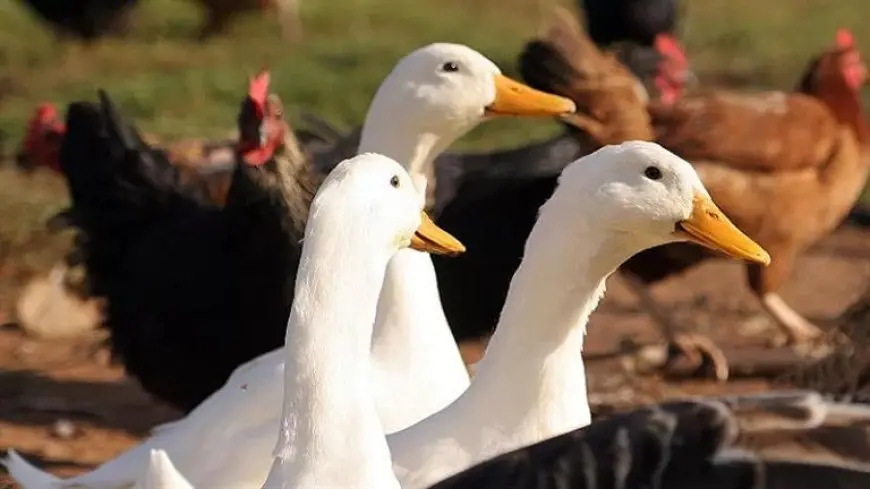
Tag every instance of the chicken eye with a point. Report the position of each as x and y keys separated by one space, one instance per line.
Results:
x=395 y=181
x=450 y=67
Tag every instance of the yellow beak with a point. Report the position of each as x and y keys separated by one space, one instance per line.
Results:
x=708 y=226
x=432 y=239
x=515 y=98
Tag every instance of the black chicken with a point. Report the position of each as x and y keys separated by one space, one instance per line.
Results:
x=638 y=21
x=87 y=20
x=642 y=34
x=229 y=265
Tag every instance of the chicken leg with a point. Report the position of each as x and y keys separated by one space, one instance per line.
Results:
x=764 y=282
x=798 y=329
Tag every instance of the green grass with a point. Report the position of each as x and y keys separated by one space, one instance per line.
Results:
x=173 y=86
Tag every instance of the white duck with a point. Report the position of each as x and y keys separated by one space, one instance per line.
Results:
x=432 y=97
x=531 y=385
x=330 y=433
x=160 y=473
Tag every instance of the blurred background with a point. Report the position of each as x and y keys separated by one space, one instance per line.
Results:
x=178 y=74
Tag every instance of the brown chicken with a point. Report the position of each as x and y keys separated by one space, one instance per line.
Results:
x=768 y=131
x=803 y=157
x=203 y=163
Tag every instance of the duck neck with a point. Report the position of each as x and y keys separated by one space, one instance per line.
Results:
x=534 y=357
x=410 y=319
x=847 y=107
x=330 y=432
x=413 y=148
x=396 y=128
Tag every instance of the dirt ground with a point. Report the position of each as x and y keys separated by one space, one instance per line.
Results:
x=65 y=406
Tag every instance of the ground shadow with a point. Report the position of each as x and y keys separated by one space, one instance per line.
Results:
x=32 y=399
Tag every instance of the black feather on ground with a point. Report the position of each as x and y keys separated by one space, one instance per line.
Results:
x=678 y=445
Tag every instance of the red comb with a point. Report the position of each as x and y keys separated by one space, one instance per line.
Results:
x=668 y=45
x=36 y=145
x=845 y=39
x=259 y=87
x=43 y=113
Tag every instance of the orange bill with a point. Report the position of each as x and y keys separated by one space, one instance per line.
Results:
x=710 y=227
x=432 y=239
x=518 y=99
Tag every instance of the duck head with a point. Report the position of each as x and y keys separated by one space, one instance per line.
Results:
x=640 y=195
x=438 y=93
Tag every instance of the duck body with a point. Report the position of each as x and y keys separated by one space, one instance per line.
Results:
x=161 y=474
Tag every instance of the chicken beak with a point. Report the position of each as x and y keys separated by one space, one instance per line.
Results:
x=432 y=239
x=708 y=226
x=515 y=98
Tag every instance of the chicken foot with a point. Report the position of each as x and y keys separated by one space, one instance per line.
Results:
x=765 y=282
x=699 y=350
x=797 y=328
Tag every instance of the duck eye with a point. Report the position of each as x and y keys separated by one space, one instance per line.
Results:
x=450 y=67
x=653 y=173
x=395 y=181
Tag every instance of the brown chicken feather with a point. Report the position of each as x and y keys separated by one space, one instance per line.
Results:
x=770 y=131
x=609 y=98
x=799 y=155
